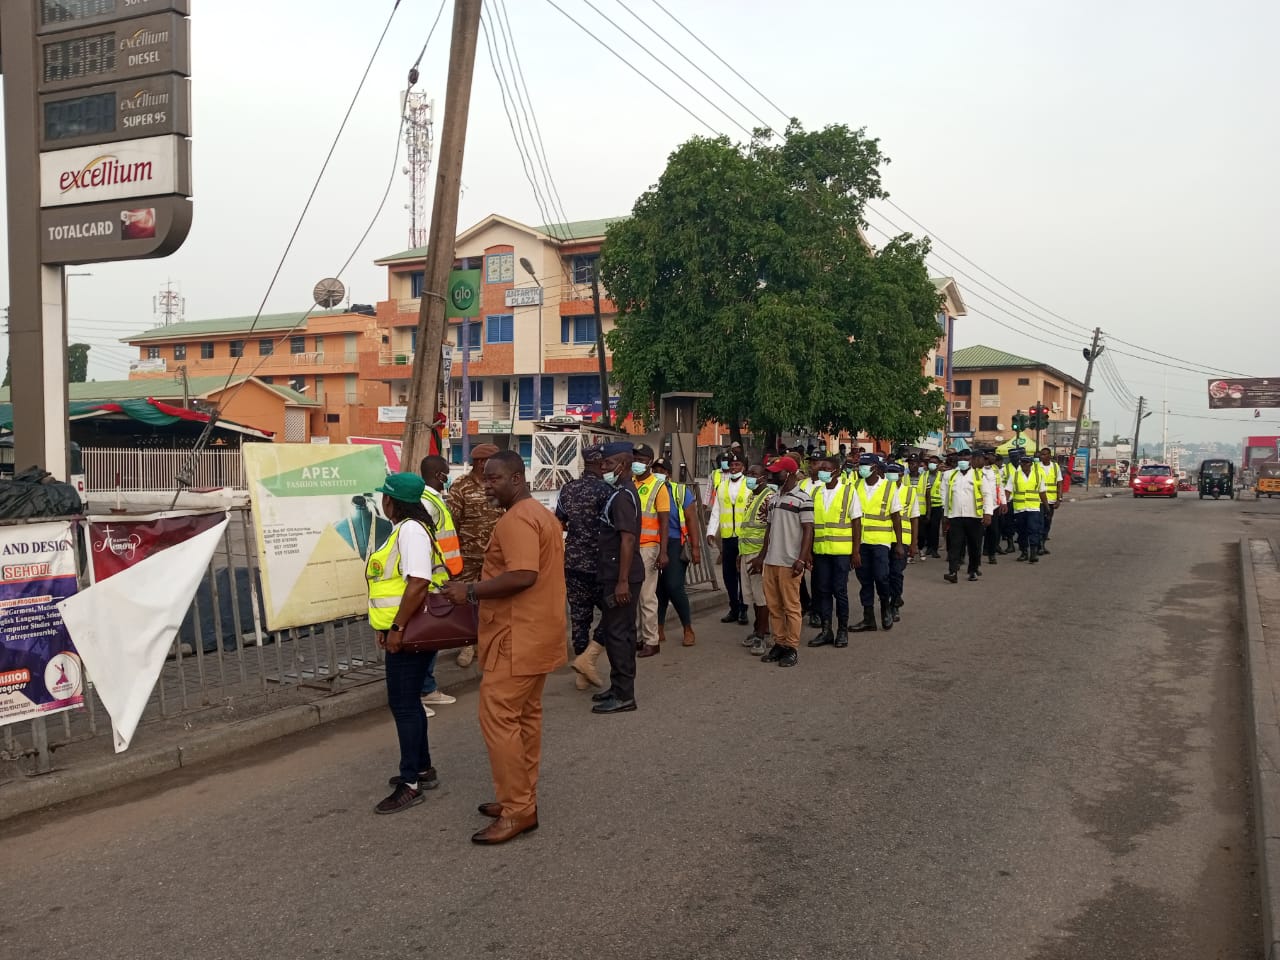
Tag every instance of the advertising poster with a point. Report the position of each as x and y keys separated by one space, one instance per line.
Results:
x=40 y=671
x=1244 y=394
x=315 y=514
x=116 y=545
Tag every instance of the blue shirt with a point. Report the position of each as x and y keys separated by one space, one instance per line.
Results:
x=674 y=524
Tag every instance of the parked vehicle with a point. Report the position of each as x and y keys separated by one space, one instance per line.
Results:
x=1154 y=480
x=1268 y=482
x=1217 y=479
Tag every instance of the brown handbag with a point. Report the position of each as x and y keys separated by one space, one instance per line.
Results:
x=439 y=625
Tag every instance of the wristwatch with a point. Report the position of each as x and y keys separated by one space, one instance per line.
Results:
x=394 y=628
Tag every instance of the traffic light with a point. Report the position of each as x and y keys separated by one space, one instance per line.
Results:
x=1019 y=421
x=1039 y=417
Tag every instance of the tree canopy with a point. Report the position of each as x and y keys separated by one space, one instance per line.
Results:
x=745 y=272
x=77 y=364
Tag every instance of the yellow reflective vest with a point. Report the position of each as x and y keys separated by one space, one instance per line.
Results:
x=1052 y=474
x=1026 y=490
x=832 y=525
x=446 y=537
x=910 y=497
x=977 y=490
x=387 y=583
x=751 y=532
x=877 y=513
x=733 y=512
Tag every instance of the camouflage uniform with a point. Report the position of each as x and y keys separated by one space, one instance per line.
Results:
x=579 y=508
x=475 y=519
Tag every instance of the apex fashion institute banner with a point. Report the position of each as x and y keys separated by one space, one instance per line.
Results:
x=40 y=670
x=315 y=515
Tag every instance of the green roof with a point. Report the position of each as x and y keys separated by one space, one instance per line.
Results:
x=564 y=232
x=162 y=388
x=988 y=358
x=268 y=322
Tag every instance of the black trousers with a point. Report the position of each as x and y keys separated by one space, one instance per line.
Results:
x=1047 y=519
x=991 y=539
x=873 y=574
x=933 y=530
x=729 y=570
x=618 y=635
x=964 y=536
x=1005 y=522
x=831 y=584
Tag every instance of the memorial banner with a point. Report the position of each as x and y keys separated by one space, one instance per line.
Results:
x=40 y=670
x=116 y=544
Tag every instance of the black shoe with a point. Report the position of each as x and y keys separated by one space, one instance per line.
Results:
x=614 y=705
x=868 y=621
x=402 y=798
x=776 y=653
x=973 y=576
x=886 y=616
x=602 y=696
x=992 y=560
x=1022 y=557
x=1044 y=551
x=815 y=620
x=1035 y=555
x=951 y=577
x=842 y=635
x=896 y=615
x=978 y=571
x=825 y=638
x=427 y=780
x=730 y=617
x=898 y=603
x=789 y=659
x=742 y=617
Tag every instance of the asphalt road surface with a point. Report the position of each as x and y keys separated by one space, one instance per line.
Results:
x=1047 y=764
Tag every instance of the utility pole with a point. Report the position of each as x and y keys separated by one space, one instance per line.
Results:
x=424 y=388
x=605 y=419
x=1091 y=354
x=186 y=387
x=1137 y=429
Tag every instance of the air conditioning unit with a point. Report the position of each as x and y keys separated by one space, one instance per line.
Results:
x=1056 y=406
x=959 y=404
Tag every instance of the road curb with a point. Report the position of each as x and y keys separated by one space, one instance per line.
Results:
x=1264 y=750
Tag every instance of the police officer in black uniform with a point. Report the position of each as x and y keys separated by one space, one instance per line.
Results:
x=620 y=572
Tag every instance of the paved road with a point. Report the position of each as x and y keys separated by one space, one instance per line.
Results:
x=1047 y=764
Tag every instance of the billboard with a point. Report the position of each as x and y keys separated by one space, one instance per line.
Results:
x=1244 y=393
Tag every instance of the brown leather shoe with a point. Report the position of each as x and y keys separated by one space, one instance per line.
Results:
x=505 y=828
x=689 y=638
x=649 y=650
x=490 y=809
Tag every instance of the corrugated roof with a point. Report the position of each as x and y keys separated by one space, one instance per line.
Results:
x=267 y=323
x=988 y=358
x=565 y=232
x=163 y=388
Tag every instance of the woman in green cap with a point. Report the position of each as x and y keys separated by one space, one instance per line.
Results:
x=400 y=573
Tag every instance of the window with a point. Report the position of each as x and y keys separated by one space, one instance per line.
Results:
x=584 y=267
x=989 y=388
x=267 y=379
x=1024 y=381
x=546 y=390
x=988 y=424
x=472 y=333
x=939 y=366
x=417 y=280
x=206 y=351
x=477 y=391
x=179 y=351
x=237 y=348
x=298 y=383
x=319 y=344
x=266 y=347
x=506 y=391
x=153 y=353
x=960 y=422
x=333 y=418
x=578 y=329
x=500 y=268
x=297 y=344
x=963 y=388
x=583 y=389
x=499 y=328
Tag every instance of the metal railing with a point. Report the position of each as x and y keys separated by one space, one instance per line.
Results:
x=137 y=470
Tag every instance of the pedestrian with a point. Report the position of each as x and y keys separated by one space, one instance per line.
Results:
x=837 y=512
x=750 y=543
x=579 y=508
x=728 y=510
x=400 y=573
x=809 y=468
x=475 y=518
x=967 y=512
x=931 y=506
x=787 y=553
x=435 y=475
x=1002 y=517
x=1028 y=491
x=906 y=493
x=1053 y=489
x=880 y=539
x=521 y=592
x=655 y=519
x=993 y=481
x=620 y=572
x=684 y=533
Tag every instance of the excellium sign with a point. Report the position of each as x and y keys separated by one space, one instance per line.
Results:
x=131 y=168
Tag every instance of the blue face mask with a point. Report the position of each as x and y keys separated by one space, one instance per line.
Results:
x=933 y=467
x=893 y=477
x=824 y=476
x=864 y=471
x=752 y=483
x=638 y=468
x=611 y=478
x=962 y=465
x=724 y=464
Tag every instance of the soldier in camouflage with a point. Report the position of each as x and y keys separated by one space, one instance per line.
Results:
x=579 y=508
x=475 y=517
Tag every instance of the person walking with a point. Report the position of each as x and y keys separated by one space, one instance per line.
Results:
x=931 y=506
x=786 y=554
x=521 y=594
x=837 y=512
x=579 y=508
x=475 y=517
x=655 y=520
x=1030 y=500
x=684 y=532
x=620 y=572
x=1053 y=486
x=881 y=538
x=400 y=573
x=728 y=510
x=750 y=543
x=1002 y=519
x=907 y=498
x=993 y=482
x=435 y=475
x=967 y=512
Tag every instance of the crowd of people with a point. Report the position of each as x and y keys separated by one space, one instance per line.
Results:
x=788 y=531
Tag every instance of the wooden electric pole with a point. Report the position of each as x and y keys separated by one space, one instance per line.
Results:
x=1091 y=355
x=605 y=417
x=1137 y=429
x=424 y=388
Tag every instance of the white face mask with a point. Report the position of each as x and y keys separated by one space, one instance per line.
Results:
x=736 y=476
x=611 y=478
x=661 y=477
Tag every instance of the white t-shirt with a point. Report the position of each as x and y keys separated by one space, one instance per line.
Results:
x=829 y=496
x=415 y=550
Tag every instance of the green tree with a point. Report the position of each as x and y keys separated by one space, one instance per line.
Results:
x=745 y=272
x=77 y=364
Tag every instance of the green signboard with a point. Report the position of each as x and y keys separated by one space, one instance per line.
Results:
x=464 y=294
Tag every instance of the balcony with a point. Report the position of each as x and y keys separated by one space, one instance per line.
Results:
x=276 y=364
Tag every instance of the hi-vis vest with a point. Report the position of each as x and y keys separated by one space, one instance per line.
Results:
x=832 y=525
x=676 y=492
x=877 y=506
x=928 y=487
x=1026 y=490
x=977 y=490
x=387 y=584
x=751 y=532
x=446 y=533
x=732 y=512
x=647 y=492
x=910 y=497
x=1052 y=473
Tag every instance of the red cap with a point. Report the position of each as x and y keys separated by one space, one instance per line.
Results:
x=783 y=463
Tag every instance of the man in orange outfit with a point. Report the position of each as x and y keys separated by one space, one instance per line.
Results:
x=521 y=594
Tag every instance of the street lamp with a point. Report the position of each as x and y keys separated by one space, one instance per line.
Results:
x=537 y=379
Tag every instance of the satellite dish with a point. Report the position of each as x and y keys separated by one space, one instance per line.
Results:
x=328 y=293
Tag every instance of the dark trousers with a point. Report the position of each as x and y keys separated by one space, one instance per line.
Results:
x=405 y=675
x=671 y=588
x=991 y=538
x=873 y=575
x=1047 y=520
x=897 y=573
x=729 y=570
x=586 y=596
x=1030 y=528
x=831 y=585
x=933 y=530
x=429 y=685
x=1005 y=521
x=618 y=635
x=806 y=601
x=964 y=537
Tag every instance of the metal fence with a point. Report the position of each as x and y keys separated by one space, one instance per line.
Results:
x=135 y=469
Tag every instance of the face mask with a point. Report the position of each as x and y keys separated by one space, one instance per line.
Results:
x=864 y=471
x=752 y=483
x=933 y=467
x=662 y=477
x=893 y=477
x=963 y=465
x=736 y=476
x=638 y=468
x=824 y=476
x=724 y=464
x=775 y=485
x=611 y=478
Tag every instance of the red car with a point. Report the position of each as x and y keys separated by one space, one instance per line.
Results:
x=1154 y=480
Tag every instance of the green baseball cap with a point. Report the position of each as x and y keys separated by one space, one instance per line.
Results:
x=405 y=487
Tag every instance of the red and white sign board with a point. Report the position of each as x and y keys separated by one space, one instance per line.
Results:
x=152 y=167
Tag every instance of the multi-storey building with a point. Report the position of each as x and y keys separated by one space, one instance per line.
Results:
x=989 y=386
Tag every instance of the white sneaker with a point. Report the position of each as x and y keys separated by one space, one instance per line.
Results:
x=466 y=655
x=438 y=698
x=430 y=713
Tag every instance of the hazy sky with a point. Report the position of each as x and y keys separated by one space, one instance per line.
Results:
x=1114 y=161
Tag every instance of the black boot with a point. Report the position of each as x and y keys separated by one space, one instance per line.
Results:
x=1044 y=551
x=825 y=638
x=1022 y=556
x=895 y=605
x=1035 y=554
x=842 y=634
x=814 y=619
x=886 y=615
x=868 y=621
x=991 y=559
